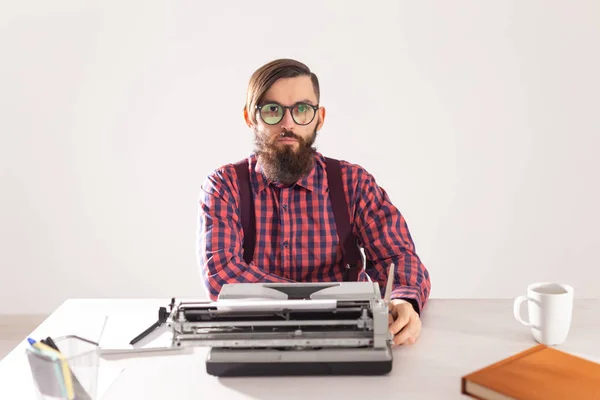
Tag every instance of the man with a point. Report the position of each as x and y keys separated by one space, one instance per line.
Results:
x=296 y=234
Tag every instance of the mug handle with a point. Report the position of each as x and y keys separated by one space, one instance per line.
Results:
x=517 y=309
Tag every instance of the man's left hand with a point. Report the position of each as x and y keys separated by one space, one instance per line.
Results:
x=404 y=322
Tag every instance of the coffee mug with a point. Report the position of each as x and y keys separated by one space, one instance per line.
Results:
x=550 y=309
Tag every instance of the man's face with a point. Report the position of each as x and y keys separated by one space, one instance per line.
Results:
x=285 y=146
x=288 y=92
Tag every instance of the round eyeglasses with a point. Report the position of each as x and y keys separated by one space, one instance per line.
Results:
x=302 y=113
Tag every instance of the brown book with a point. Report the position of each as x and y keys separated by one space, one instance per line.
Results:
x=540 y=372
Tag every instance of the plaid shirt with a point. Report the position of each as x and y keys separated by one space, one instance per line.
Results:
x=296 y=232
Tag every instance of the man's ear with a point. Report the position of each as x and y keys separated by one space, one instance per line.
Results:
x=322 y=113
x=247 y=118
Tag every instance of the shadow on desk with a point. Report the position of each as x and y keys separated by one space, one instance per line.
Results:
x=312 y=387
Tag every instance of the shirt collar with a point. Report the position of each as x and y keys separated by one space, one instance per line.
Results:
x=308 y=181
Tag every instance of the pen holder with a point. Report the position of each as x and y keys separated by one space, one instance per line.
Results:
x=71 y=377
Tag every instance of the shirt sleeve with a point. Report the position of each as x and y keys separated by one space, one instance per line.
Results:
x=220 y=236
x=385 y=237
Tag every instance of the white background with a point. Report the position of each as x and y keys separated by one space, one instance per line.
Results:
x=479 y=118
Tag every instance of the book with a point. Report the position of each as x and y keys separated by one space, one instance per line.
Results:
x=540 y=372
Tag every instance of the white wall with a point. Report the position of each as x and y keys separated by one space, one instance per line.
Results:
x=479 y=118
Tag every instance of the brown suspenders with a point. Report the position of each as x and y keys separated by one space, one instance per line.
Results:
x=351 y=254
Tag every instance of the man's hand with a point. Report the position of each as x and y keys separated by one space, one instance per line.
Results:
x=404 y=322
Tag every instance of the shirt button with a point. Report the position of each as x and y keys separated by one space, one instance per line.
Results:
x=284 y=206
x=285 y=243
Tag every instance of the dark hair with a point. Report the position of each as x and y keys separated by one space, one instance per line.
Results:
x=264 y=77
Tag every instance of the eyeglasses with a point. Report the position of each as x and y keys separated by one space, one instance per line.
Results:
x=302 y=113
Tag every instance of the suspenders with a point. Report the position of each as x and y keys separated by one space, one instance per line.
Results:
x=350 y=252
x=247 y=209
x=337 y=195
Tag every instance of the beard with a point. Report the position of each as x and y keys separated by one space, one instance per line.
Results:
x=283 y=164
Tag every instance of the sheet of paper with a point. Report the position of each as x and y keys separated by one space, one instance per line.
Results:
x=89 y=326
x=114 y=332
x=121 y=329
x=107 y=375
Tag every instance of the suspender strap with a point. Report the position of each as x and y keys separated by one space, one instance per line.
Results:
x=351 y=254
x=247 y=209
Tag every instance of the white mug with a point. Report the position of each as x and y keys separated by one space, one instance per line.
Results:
x=550 y=309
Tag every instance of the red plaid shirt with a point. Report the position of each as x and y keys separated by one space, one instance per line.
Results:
x=296 y=239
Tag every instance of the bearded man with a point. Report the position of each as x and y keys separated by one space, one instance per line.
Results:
x=288 y=214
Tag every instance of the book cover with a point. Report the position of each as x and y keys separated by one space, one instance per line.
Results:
x=540 y=372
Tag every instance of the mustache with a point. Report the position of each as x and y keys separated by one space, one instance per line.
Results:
x=288 y=134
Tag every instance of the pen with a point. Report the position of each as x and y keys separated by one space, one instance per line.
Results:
x=57 y=368
x=80 y=392
x=66 y=373
x=50 y=343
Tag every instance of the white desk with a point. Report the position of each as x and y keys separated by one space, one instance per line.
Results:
x=458 y=336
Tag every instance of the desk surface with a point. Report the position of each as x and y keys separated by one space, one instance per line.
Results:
x=459 y=336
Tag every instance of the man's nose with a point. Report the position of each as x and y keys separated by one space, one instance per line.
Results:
x=288 y=122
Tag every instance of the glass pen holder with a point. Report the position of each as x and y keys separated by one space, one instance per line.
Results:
x=70 y=374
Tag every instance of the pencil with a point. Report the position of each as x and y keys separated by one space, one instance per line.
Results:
x=68 y=381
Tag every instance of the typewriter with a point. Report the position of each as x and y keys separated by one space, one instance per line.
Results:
x=258 y=329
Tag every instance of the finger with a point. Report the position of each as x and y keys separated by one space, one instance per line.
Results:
x=390 y=319
x=404 y=336
x=409 y=334
x=392 y=311
x=411 y=340
x=399 y=323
